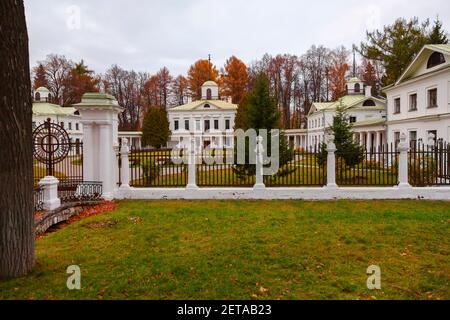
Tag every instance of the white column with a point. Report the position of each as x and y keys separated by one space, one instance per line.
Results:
x=403 y=148
x=99 y=114
x=125 y=169
x=88 y=152
x=192 y=184
x=106 y=160
x=378 y=140
x=259 y=150
x=50 y=189
x=369 y=141
x=361 y=138
x=331 y=162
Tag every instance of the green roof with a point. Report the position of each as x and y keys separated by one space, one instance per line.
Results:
x=98 y=95
x=192 y=106
x=49 y=109
x=354 y=80
x=99 y=99
x=347 y=101
x=372 y=122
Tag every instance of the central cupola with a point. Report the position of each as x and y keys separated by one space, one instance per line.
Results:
x=210 y=91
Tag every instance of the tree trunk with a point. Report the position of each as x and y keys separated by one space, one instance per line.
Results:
x=16 y=172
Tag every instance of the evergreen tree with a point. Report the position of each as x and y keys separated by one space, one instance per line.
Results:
x=259 y=111
x=437 y=35
x=347 y=149
x=155 y=129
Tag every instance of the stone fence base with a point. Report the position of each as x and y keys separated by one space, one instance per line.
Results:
x=325 y=193
x=63 y=213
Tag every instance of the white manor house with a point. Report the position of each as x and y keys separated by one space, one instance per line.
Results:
x=209 y=120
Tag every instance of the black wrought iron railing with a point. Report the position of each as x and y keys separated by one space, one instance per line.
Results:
x=69 y=169
x=373 y=167
x=217 y=168
x=156 y=168
x=429 y=165
x=75 y=191
x=38 y=199
x=303 y=169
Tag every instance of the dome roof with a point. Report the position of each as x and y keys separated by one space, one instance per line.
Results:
x=354 y=80
x=209 y=83
x=42 y=89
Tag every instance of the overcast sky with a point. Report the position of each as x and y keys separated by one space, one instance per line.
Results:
x=146 y=35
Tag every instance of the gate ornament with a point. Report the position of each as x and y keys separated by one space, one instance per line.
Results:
x=51 y=144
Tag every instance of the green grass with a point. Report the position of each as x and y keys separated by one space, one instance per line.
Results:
x=230 y=249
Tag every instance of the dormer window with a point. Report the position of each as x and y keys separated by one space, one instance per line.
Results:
x=435 y=59
x=207 y=106
x=369 y=103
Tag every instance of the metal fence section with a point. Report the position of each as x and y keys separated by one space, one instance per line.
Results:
x=76 y=191
x=155 y=168
x=304 y=169
x=217 y=168
x=69 y=169
x=38 y=199
x=379 y=167
x=428 y=165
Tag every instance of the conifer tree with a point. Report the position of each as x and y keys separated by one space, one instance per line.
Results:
x=155 y=128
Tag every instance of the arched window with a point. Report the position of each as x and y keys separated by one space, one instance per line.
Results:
x=208 y=94
x=369 y=103
x=435 y=59
x=357 y=87
x=207 y=106
x=49 y=97
x=37 y=96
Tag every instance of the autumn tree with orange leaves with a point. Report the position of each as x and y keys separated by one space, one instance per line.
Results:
x=234 y=79
x=338 y=72
x=198 y=74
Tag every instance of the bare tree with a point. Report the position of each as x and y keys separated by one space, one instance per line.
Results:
x=16 y=205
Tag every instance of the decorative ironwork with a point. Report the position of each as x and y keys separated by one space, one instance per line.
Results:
x=38 y=199
x=76 y=191
x=51 y=144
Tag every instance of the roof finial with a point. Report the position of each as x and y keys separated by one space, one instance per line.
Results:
x=209 y=65
x=354 y=61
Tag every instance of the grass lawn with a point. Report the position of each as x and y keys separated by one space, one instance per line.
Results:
x=247 y=250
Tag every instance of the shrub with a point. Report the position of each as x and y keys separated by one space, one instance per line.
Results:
x=150 y=171
x=422 y=171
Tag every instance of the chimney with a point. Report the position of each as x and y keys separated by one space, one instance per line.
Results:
x=368 y=91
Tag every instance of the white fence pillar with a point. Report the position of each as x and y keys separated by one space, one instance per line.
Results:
x=49 y=186
x=403 y=149
x=331 y=162
x=192 y=184
x=259 y=151
x=99 y=116
x=125 y=168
